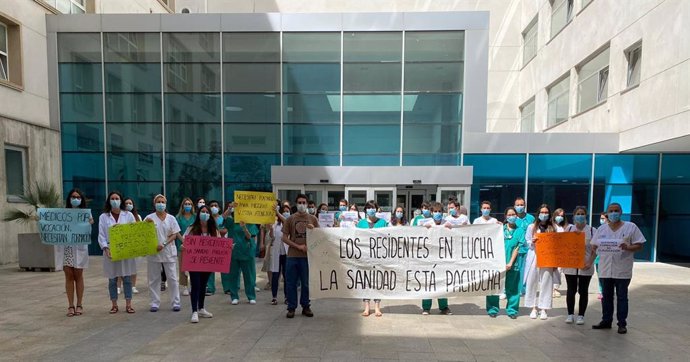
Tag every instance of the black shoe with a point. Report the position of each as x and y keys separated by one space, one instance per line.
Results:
x=622 y=330
x=446 y=311
x=162 y=287
x=290 y=313
x=602 y=325
x=306 y=311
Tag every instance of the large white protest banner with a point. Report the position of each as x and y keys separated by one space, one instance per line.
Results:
x=406 y=262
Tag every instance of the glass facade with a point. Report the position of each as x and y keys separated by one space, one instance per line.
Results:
x=674 y=214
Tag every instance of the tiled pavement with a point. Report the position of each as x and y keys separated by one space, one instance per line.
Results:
x=33 y=326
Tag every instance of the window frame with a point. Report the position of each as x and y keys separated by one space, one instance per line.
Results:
x=569 y=14
x=6 y=54
x=556 y=98
x=600 y=96
x=637 y=47
x=25 y=172
x=523 y=116
x=534 y=24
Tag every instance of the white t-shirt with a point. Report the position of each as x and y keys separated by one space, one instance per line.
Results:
x=613 y=261
x=457 y=221
x=589 y=233
x=164 y=228
x=481 y=220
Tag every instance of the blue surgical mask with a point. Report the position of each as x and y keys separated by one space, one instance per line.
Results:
x=129 y=207
x=453 y=212
x=204 y=216
x=115 y=204
x=219 y=220
x=426 y=213
x=614 y=216
x=558 y=219
x=398 y=215
x=602 y=221
x=519 y=209
x=214 y=210
x=543 y=217
x=286 y=214
x=371 y=212
x=486 y=212
x=342 y=208
x=187 y=208
x=75 y=202
x=579 y=219
x=160 y=207
x=199 y=205
x=512 y=219
x=437 y=216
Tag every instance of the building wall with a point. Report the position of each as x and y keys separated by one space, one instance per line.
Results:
x=133 y=6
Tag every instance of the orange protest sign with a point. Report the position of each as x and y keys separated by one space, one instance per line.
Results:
x=564 y=250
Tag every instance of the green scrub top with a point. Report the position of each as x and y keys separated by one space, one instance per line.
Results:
x=364 y=224
x=524 y=222
x=514 y=239
x=243 y=248
x=184 y=223
x=416 y=219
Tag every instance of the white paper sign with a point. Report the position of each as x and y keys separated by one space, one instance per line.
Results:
x=350 y=216
x=609 y=246
x=326 y=219
x=384 y=215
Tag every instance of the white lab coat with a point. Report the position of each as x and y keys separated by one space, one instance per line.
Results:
x=79 y=252
x=537 y=279
x=113 y=269
x=614 y=262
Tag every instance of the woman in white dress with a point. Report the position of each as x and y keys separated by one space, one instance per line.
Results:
x=73 y=259
x=538 y=280
x=111 y=217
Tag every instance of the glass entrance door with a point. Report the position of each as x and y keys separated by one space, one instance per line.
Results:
x=384 y=196
x=411 y=200
x=330 y=195
x=461 y=193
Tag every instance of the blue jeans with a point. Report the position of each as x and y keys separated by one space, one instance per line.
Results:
x=126 y=284
x=297 y=270
x=621 y=288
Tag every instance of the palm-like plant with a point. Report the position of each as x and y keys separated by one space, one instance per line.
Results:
x=40 y=194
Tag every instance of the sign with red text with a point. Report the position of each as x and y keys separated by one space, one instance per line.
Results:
x=206 y=254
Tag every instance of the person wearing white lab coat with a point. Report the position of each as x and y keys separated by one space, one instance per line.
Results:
x=111 y=217
x=538 y=279
x=616 y=243
x=167 y=231
x=578 y=280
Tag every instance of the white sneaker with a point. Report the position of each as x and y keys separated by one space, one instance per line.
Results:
x=252 y=301
x=134 y=290
x=543 y=316
x=235 y=302
x=533 y=314
x=185 y=291
x=425 y=312
x=119 y=290
x=570 y=319
x=502 y=296
x=195 y=317
x=257 y=289
x=556 y=293
x=203 y=313
x=580 y=320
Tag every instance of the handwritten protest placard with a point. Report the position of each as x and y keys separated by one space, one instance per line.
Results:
x=64 y=226
x=255 y=207
x=384 y=215
x=610 y=246
x=206 y=254
x=129 y=241
x=326 y=219
x=564 y=250
x=405 y=262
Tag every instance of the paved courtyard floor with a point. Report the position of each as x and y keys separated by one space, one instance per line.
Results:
x=33 y=326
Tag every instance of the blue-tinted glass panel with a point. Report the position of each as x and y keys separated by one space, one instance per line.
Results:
x=132 y=77
x=491 y=168
x=248 y=77
x=561 y=169
x=77 y=166
x=141 y=192
x=252 y=108
x=192 y=108
x=129 y=107
x=565 y=196
x=646 y=225
x=371 y=160
x=499 y=195
x=311 y=139
x=372 y=77
x=633 y=198
x=372 y=139
x=675 y=169
x=134 y=137
x=371 y=108
x=79 y=47
x=311 y=47
x=80 y=77
x=251 y=47
x=312 y=108
x=252 y=138
x=192 y=137
x=424 y=46
x=191 y=188
x=249 y=168
x=372 y=46
x=452 y=159
x=626 y=169
x=81 y=107
x=82 y=137
x=132 y=47
x=192 y=77
x=434 y=77
x=310 y=160
x=311 y=77
x=432 y=108
x=431 y=138
x=135 y=166
x=191 y=47
x=674 y=216
x=199 y=168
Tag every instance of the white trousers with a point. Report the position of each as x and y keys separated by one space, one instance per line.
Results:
x=538 y=280
x=154 y=274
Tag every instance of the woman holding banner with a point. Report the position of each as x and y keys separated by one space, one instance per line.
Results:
x=539 y=279
x=561 y=223
x=73 y=259
x=131 y=207
x=436 y=213
x=371 y=222
x=111 y=217
x=578 y=279
x=185 y=217
x=514 y=237
x=167 y=231
x=398 y=218
x=203 y=225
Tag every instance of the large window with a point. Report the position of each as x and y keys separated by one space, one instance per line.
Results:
x=561 y=15
x=527 y=117
x=559 y=102
x=4 y=59
x=634 y=57
x=593 y=80
x=15 y=169
x=559 y=181
x=498 y=179
x=68 y=6
x=11 y=74
x=529 y=41
x=674 y=214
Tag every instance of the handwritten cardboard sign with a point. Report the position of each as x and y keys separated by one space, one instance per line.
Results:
x=255 y=207
x=64 y=226
x=129 y=241
x=206 y=254
x=564 y=250
x=326 y=219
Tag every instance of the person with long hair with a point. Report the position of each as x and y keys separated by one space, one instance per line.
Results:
x=113 y=216
x=577 y=280
x=73 y=259
x=560 y=220
x=185 y=217
x=131 y=207
x=514 y=237
x=203 y=225
x=167 y=231
x=398 y=217
x=371 y=222
x=539 y=279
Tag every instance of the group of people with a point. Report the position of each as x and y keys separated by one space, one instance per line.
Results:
x=610 y=247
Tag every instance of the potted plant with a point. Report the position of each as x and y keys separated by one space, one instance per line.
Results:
x=31 y=252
